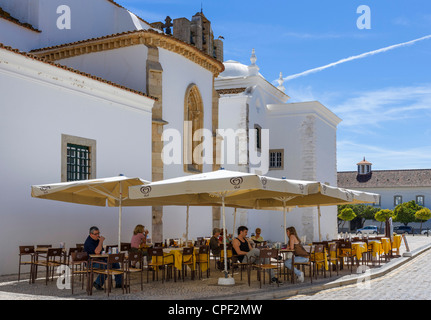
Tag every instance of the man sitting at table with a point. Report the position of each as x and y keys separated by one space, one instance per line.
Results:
x=215 y=246
x=241 y=248
x=94 y=245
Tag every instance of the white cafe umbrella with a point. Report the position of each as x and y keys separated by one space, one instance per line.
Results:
x=222 y=187
x=95 y=192
x=324 y=196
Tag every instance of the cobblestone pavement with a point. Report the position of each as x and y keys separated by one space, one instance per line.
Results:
x=411 y=281
x=410 y=275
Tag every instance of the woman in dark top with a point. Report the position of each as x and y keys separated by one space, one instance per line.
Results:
x=298 y=250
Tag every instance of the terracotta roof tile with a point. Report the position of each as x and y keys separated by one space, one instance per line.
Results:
x=6 y=15
x=2 y=46
x=385 y=179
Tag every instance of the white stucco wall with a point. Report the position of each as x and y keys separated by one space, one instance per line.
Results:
x=17 y=37
x=178 y=74
x=125 y=66
x=40 y=103
x=88 y=19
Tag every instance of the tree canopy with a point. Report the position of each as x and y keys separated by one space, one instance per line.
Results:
x=346 y=214
x=423 y=215
x=405 y=212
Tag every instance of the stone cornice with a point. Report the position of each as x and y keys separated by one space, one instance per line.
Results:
x=15 y=63
x=145 y=37
x=303 y=108
x=231 y=90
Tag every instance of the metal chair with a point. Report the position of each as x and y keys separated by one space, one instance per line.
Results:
x=318 y=258
x=25 y=251
x=203 y=258
x=187 y=259
x=303 y=265
x=333 y=257
x=158 y=262
x=78 y=265
x=135 y=258
x=54 y=258
x=264 y=263
x=108 y=271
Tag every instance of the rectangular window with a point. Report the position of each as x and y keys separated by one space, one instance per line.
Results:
x=398 y=200
x=78 y=162
x=377 y=204
x=258 y=137
x=78 y=158
x=276 y=159
x=420 y=200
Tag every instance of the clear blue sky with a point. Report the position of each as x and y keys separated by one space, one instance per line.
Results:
x=384 y=99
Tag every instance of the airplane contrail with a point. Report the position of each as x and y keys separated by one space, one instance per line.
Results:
x=360 y=56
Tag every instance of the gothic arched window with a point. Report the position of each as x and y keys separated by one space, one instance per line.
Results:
x=193 y=121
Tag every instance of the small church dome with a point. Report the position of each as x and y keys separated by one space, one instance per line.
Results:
x=234 y=69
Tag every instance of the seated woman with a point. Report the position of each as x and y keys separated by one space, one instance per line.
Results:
x=139 y=240
x=298 y=250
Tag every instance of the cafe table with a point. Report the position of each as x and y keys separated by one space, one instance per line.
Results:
x=396 y=243
x=175 y=255
x=386 y=245
x=359 y=248
x=376 y=247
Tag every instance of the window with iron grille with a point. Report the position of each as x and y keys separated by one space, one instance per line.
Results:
x=420 y=200
x=398 y=200
x=78 y=162
x=276 y=159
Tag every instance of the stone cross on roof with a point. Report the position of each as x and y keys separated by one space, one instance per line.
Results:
x=168 y=24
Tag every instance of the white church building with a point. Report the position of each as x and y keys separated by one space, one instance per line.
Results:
x=89 y=87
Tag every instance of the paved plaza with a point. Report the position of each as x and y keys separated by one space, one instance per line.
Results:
x=401 y=278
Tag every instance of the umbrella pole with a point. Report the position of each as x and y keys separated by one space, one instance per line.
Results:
x=226 y=280
x=234 y=222
x=120 y=211
x=284 y=214
x=187 y=226
x=318 y=218
x=224 y=240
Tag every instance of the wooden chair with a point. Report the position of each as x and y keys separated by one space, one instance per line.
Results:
x=109 y=271
x=135 y=258
x=333 y=257
x=187 y=259
x=318 y=258
x=125 y=246
x=78 y=265
x=202 y=258
x=308 y=264
x=242 y=264
x=158 y=262
x=25 y=251
x=72 y=250
x=346 y=252
x=53 y=259
x=264 y=264
x=229 y=255
x=80 y=246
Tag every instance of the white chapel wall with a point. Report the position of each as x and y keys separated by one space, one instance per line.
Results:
x=37 y=108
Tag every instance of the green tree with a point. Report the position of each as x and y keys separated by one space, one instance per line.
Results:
x=405 y=212
x=363 y=212
x=346 y=214
x=383 y=215
x=423 y=215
